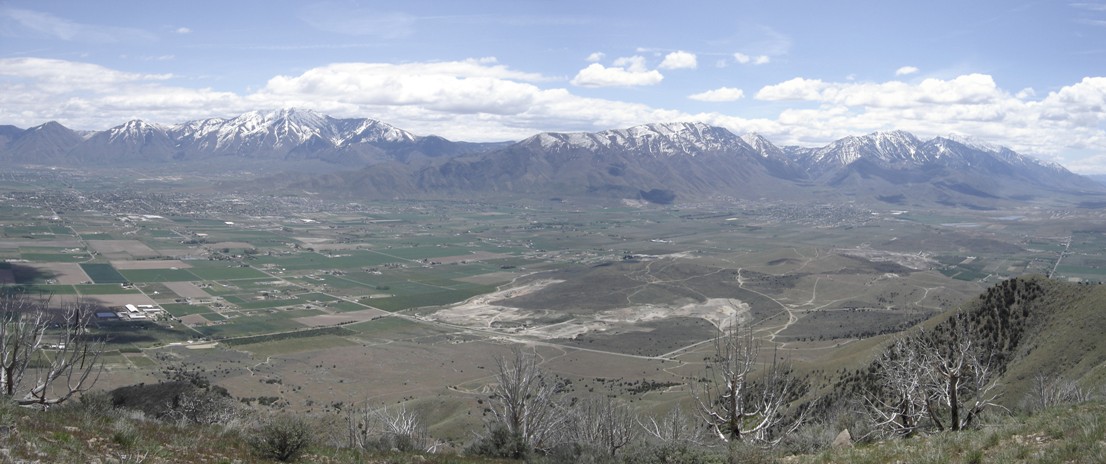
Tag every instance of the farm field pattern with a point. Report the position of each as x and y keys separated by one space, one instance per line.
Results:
x=317 y=303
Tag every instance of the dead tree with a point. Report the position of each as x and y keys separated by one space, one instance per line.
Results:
x=943 y=379
x=523 y=401
x=742 y=398
x=898 y=403
x=388 y=428
x=46 y=356
x=960 y=379
x=676 y=427
x=1048 y=391
x=602 y=423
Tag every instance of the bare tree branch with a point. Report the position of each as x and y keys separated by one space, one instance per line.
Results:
x=51 y=351
x=738 y=406
x=524 y=401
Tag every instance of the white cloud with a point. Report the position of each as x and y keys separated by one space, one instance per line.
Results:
x=679 y=60
x=626 y=72
x=966 y=89
x=595 y=57
x=463 y=100
x=481 y=100
x=183 y=30
x=723 y=94
x=906 y=71
x=634 y=64
x=742 y=58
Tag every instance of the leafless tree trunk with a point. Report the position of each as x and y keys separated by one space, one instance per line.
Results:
x=523 y=401
x=738 y=406
x=945 y=378
x=46 y=356
x=1051 y=391
x=402 y=428
x=602 y=423
x=674 y=427
x=960 y=379
x=899 y=404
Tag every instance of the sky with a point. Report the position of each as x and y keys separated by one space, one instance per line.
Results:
x=1030 y=75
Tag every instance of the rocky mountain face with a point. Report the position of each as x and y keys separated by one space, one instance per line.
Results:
x=659 y=163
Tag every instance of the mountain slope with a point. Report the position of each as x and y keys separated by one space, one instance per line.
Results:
x=654 y=161
x=46 y=143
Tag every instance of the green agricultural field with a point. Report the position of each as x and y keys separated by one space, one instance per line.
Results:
x=181 y=310
x=103 y=273
x=259 y=324
x=159 y=275
x=105 y=289
x=226 y=273
x=442 y=297
x=268 y=304
x=44 y=290
x=55 y=257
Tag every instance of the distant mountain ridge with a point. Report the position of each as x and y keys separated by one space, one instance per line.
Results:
x=286 y=134
x=659 y=162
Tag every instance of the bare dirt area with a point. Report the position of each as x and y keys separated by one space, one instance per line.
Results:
x=193 y=320
x=489 y=278
x=323 y=320
x=480 y=311
x=133 y=248
x=63 y=273
x=485 y=312
x=186 y=289
x=15 y=244
x=125 y=265
x=915 y=261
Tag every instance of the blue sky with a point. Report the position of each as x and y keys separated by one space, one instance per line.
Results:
x=1029 y=75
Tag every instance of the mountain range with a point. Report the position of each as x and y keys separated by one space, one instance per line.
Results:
x=658 y=163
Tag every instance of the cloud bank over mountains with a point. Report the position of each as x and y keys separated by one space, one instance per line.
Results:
x=484 y=100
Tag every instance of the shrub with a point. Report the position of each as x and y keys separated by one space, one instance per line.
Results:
x=501 y=443
x=283 y=438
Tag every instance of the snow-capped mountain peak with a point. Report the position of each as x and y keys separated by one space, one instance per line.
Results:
x=657 y=139
x=763 y=146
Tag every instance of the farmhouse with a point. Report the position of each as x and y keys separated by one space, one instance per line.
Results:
x=143 y=311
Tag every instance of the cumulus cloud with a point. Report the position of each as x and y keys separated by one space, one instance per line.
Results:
x=481 y=99
x=60 y=76
x=595 y=57
x=723 y=94
x=906 y=71
x=679 y=60
x=476 y=99
x=626 y=72
x=966 y=89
